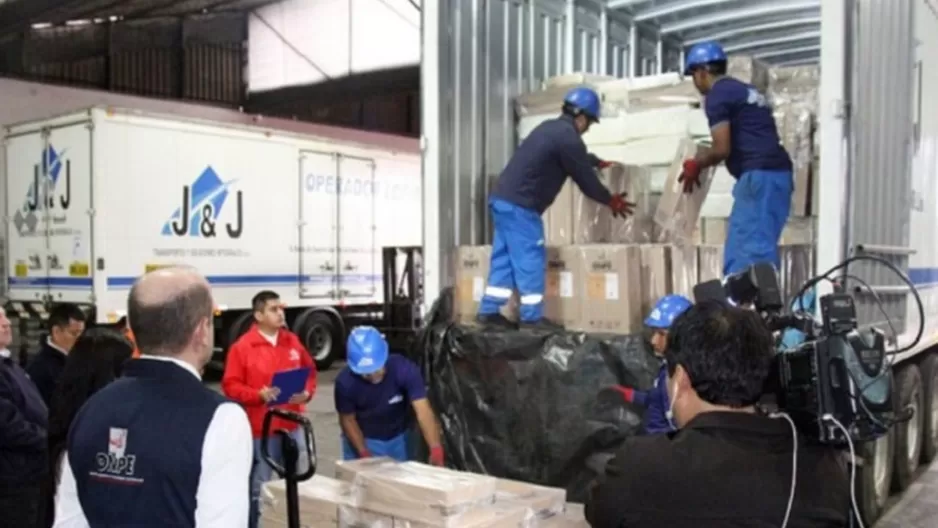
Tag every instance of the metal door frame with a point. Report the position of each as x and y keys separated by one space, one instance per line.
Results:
x=301 y=224
x=338 y=240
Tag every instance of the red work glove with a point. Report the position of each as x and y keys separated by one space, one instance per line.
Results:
x=620 y=207
x=436 y=456
x=364 y=454
x=690 y=176
x=628 y=393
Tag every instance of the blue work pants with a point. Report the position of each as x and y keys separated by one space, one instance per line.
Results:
x=397 y=448
x=518 y=261
x=761 y=205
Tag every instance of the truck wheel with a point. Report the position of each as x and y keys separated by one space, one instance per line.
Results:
x=929 y=373
x=322 y=336
x=240 y=327
x=874 y=477
x=909 y=434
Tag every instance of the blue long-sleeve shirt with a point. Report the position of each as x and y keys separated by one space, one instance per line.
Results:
x=656 y=403
x=537 y=171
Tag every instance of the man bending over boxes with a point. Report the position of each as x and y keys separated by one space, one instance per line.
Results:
x=657 y=406
x=374 y=395
x=746 y=138
x=525 y=189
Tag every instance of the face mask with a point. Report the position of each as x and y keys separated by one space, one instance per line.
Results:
x=670 y=412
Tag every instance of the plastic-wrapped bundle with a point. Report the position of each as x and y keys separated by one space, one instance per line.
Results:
x=678 y=213
x=793 y=92
x=749 y=69
x=528 y=405
x=594 y=222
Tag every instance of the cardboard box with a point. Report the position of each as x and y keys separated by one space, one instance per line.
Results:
x=665 y=270
x=419 y=492
x=561 y=295
x=610 y=278
x=594 y=222
x=678 y=213
x=559 y=217
x=573 y=517
x=320 y=500
x=710 y=262
x=498 y=515
x=542 y=501
x=471 y=275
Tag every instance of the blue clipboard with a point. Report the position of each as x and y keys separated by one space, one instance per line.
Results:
x=289 y=382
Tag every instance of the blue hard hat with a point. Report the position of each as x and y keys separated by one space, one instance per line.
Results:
x=367 y=350
x=666 y=311
x=703 y=54
x=583 y=100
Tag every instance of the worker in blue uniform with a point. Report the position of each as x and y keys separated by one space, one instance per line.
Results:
x=746 y=139
x=377 y=397
x=655 y=400
x=526 y=188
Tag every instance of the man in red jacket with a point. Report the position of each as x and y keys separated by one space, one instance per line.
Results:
x=267 y=348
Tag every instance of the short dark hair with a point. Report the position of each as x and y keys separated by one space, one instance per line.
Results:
x=726 y=351
x=62 y=314
x=260 y=300
x=95 y=360
x=717 y=67
x=167 y=327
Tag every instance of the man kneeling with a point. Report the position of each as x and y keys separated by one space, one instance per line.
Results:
x=727 y=465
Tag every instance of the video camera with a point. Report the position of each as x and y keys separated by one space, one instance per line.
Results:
x=837 y=381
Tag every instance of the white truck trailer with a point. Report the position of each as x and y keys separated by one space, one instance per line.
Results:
x=878 y=129
x=328 y=218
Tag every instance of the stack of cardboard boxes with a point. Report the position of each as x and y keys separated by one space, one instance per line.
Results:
x=382 y=493
x=605 y=273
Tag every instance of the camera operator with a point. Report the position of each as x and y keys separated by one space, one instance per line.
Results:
x=727 y=465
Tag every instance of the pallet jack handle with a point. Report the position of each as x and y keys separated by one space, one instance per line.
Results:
x=291 y=457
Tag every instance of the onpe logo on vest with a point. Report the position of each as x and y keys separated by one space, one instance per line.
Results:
x=294 y=355
x=116 y=465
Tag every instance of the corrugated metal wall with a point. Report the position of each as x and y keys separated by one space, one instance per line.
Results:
x=490 y=52
x=198 y=58
x=881 y=128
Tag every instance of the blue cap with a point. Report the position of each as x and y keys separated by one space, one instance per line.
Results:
x=585 y=101
x=666 y=311
x=703 y=54
x=367 y=350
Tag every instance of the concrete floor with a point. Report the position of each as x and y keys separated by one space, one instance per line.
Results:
x=918 y=506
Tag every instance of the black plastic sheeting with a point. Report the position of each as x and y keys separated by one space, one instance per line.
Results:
x=531 y=405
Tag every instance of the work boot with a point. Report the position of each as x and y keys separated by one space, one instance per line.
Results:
x=495 y=319
x=542 y=324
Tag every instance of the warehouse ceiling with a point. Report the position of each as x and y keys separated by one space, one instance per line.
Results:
x=777 y=31
x=18 y=15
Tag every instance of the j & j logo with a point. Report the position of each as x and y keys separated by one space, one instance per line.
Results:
x=201 y=207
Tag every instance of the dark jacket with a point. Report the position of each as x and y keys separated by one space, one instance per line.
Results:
x=45 y=370
x=23 y=423
x=723 y=469
x=540 y=166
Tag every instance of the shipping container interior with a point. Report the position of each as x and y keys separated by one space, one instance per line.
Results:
x=874 y=141
x=489 y=53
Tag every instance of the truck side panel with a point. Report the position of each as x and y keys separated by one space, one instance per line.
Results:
x=879 y=192
x=49 y=202
x=226 y=201
x=923 y=264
